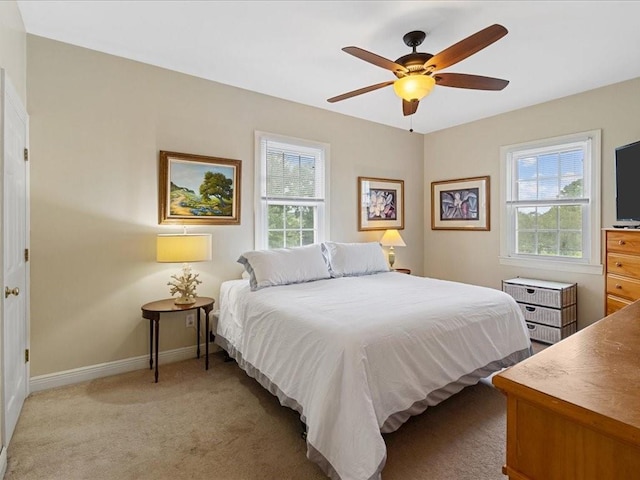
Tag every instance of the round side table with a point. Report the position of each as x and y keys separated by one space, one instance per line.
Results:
x=152 y=312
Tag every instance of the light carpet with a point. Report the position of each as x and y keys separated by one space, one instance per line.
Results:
x=221 y=424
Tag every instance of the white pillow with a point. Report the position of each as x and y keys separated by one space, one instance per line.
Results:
x=283 y=266
x=351 y=259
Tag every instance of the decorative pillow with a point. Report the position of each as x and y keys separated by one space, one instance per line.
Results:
x=351 y=259
x=283 y=266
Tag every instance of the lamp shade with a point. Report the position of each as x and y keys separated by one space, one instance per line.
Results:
x=183 y=248
x=414 y=87
x=392 y=238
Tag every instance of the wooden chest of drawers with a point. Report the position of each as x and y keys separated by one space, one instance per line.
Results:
x=549 y=308
x=622 y=268
x=572 y=409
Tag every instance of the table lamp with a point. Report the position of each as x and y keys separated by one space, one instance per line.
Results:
x=392 y=238
x=184 y=248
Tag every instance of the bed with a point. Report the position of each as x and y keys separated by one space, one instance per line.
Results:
x=357 y=355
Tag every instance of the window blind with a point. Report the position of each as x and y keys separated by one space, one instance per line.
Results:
x=294 y=175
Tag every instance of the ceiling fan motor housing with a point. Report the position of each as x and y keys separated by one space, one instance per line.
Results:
x=414 y=62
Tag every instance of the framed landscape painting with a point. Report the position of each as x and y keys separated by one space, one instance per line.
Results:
x=380 y=204
x=198 y=190
x=460 y=204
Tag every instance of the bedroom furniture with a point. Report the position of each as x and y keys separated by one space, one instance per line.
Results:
x=622 y=267
x=153 y=311
x=549 y=308
x=572 y=409
x=392 y=238
x=403 y=270
x=359 y=353
x=183 y=249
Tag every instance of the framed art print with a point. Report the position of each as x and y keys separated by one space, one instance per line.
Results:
x=380 y=204
x=198 y=190
x=460 y=204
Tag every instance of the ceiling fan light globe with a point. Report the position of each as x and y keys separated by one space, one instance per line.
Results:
x=414 y=87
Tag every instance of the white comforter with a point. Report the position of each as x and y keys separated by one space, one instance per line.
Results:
x=354 y=351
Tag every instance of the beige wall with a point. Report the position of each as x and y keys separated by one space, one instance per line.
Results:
x=13 y=47
x=97 y=124
x=474 y=150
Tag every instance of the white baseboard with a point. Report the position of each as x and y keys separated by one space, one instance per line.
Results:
x=3 y=461
x=82 y=374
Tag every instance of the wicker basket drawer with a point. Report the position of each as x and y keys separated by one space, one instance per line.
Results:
x=535 y=293
x=549 y=316
x=543 y=333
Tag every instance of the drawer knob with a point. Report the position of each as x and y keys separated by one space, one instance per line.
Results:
x=530 y=309
x=621 y=242
x=618 y=264
x=618 y=286
x=530 y=291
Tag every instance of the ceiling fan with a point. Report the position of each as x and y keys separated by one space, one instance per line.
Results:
x=416 y=70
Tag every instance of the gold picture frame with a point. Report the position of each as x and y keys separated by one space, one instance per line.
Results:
x=380 y=204
x=461 y=204
x=198 y=190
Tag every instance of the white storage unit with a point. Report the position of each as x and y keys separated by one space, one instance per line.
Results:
x=549 y=308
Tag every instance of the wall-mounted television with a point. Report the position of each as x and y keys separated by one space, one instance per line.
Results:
x=628 y=183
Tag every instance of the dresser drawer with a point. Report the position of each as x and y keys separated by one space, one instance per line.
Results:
x=623 y=287
x=547 y=334
x=552 y=317
x=623 y=242
x=536 y=295
x=625 y=265
x=614 y=304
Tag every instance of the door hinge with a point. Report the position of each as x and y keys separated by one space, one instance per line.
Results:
x=26 y=355
x=26 y=254
x=26 y=154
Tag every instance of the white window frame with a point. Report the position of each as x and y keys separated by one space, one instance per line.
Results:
x=591 y=233
x=261 y=219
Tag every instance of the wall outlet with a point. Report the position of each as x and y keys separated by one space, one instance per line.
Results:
x=190 y=320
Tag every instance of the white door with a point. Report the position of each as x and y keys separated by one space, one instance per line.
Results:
x=15 y=369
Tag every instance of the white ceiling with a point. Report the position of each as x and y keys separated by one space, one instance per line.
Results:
x=292 y=49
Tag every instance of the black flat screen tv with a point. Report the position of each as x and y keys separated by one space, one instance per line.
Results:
x=628 y=182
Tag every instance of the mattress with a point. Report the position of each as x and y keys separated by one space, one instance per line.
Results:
x=357 y=356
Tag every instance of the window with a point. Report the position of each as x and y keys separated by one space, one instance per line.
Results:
x=292 y=207
x=551 y=204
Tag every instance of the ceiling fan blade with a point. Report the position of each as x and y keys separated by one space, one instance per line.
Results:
x=360 y=91
x=476 y=82
x=375 y=59
x=409 y=108
x=467 y=47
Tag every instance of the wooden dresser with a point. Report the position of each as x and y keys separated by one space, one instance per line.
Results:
x=573 y=409
x=622 y=267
